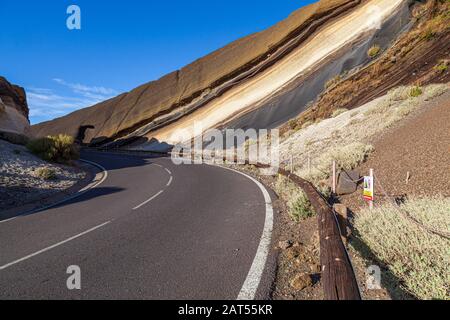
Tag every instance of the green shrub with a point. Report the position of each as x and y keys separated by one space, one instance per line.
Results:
x=416 y=91
x=46 y=173
x=374 y=51
x=299 y=206
x=60 y=148
x=442 y=66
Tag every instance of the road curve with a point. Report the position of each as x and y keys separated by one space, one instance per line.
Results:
x=151 y=230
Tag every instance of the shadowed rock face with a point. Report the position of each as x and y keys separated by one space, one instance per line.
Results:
x=125 y=113
x=13 y=109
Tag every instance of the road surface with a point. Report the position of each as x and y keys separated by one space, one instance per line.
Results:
x=150 y=230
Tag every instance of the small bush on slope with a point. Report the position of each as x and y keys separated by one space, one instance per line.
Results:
x=46 y=173
x=60 y=148
x=415 y=92
x=419 y=259
x=296 y=199
x=442 y=66
x=374 y=51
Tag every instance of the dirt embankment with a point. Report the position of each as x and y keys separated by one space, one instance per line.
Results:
x=418 y=57
x=121 y=115
x=26 y=179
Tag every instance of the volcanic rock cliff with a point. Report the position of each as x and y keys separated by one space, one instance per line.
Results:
x=127 y=112
x=268 y=78
x=13 y=109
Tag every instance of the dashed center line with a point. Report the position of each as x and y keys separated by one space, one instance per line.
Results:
x=160 y=192
x=53 y=246
x=170 y=181
x=147 y=201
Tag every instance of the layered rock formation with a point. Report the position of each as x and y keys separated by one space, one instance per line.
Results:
x=260 y=81
x=13 y=109
x=122 y=115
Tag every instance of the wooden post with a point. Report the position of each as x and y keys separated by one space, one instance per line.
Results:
x=334 y=177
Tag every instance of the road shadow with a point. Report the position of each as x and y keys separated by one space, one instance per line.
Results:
x=30 y=199
x=37 y=205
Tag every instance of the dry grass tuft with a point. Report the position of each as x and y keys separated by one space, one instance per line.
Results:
x=374 y=51
x=298 y=203
x=347 y=157
x=46 y=173
x=419 y=259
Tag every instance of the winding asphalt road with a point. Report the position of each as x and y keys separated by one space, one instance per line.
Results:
x=150 y=230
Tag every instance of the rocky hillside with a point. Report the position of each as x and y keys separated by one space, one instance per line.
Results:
x=268 y=78
x=13 y=109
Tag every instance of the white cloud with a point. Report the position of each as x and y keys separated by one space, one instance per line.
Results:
x=45 y=104
x=84 y=89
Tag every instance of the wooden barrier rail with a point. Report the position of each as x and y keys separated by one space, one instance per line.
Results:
x=338 y=277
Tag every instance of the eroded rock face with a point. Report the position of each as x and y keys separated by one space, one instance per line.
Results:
x=117 y=117
x=13 y=109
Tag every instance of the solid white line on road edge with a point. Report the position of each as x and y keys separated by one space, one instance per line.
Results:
x=105 y=172
x=147 y=201
x=251 y=284
x=53 y=246
x=76 y=195
x=10 y=219
x=170 y=181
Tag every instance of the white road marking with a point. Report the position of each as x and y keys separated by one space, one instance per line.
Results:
x=168 y=171
x=147 y=201
x=170 y=181
x=251 y=284
x=105 y=172
x=53 y=246
x=7 y=220
x=76 y=195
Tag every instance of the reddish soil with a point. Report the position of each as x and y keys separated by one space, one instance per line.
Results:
x=419 y=145
x=412 y=59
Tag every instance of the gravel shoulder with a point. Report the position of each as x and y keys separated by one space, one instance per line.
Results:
x=21 y=186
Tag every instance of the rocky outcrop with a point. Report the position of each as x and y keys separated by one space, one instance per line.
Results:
x=13 y=109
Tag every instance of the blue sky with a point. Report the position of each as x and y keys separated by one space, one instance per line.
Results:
x=121 y=44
